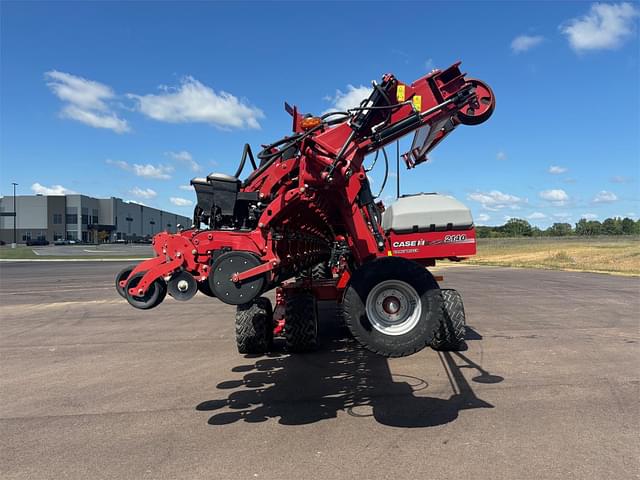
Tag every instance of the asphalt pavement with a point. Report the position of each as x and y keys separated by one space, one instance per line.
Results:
x=91 y=388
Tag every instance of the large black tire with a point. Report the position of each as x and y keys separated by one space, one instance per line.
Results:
x=449 y=336
x=417 y=306
x=254 y=326
x=301 y=323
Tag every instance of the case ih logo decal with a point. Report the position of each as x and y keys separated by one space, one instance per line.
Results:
x=410 y=243
x=422 y=242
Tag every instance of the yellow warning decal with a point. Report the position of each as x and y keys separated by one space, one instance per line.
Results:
x=389 y=253
x=400 y=93
x=417 y=102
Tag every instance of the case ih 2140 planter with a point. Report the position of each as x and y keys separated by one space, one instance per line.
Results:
x=306 y=212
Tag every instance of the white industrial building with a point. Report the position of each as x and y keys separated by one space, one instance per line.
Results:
x=82 y=218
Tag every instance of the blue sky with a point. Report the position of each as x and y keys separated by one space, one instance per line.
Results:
x=134 y=99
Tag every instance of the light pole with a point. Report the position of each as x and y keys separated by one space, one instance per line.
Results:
x=13 y=245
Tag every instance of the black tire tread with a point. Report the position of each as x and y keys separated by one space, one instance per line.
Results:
x=301 y=323
x=321 y=271
x=449 y=336
x=254 y=326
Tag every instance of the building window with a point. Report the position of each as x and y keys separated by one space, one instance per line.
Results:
x=26 y=236
x=57 y=218
x=94 y=216
x=72 y=218
x=85 y=215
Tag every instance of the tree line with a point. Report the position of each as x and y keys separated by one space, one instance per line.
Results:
x=518 y=227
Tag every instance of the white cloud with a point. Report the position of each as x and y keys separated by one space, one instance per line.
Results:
x=589 y=216
x=556 y=196
x=151 y=171
x=185 y=157
x=193 y=101
x=557 y=170
x=604 y=196
x=181 y=202
x=522 y=43
x=496 y=200
x=483 y=217
x=119 y=163
x=537 y=216
x=85 y=101
x=605 y=26
x=343 y=101
x=160 y=172
x=40 y=189
x=188 y=188
x=143 y=192
x=501 y=155
x=621 y=179
x=110 y=121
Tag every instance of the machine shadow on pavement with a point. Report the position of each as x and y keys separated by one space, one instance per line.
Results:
x=342 y=376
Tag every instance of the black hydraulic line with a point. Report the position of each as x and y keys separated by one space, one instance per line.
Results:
x=267 y=154
x=381 y=107
x=330 y=114
x=373 y=164
x=386 y=172
x=246 y=152
x=269 y=157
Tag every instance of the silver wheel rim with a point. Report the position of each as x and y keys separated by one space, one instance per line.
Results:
x=393 y=307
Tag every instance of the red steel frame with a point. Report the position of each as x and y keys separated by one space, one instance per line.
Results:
x=321 y=207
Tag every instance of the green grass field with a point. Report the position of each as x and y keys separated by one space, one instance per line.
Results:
x=610 y=254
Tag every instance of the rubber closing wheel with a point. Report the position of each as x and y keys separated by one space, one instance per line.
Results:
x=479 y=111
x=121 y=276
x=222 y=271
x=154 y=296
x=392 y=306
